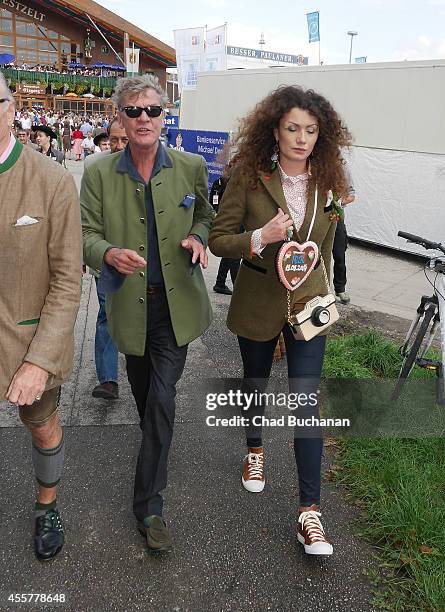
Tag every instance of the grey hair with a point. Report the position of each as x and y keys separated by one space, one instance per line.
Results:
x=129 y=87
x=4 y=87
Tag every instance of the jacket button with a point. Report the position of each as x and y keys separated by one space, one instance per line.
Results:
x=142 y=274
x=138 y=191
x=141 y=247
x=141 y=300
x=142 y=220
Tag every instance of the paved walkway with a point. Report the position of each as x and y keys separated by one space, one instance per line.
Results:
x=233 y=551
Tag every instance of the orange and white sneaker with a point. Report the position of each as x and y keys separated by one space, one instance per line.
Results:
x=311 y=533
x=253 y=470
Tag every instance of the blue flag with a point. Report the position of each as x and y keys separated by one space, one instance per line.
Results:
x=313 y=26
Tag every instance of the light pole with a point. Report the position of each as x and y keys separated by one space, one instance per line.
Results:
x=351 y=33
x=262 y=43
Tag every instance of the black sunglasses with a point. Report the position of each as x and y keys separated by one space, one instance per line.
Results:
x=136 y=111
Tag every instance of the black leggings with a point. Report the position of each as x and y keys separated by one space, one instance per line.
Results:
x=304 y=364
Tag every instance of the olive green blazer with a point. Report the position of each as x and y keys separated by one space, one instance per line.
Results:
x=258 y=308
x=114 y=214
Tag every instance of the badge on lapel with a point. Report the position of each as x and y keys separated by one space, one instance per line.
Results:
x=188 y=200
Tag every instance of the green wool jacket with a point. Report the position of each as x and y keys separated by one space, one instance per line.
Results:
x=258 y=308
x=114 y=214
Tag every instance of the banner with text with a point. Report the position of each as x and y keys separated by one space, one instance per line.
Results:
x=207 y=144
x=215 y=49
x=272 y=56
x=190 y=48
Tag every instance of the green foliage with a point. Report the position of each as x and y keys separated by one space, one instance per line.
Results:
x=367 y=355
x=80 y=88
x=398 y=482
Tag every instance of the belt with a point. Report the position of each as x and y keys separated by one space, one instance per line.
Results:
x=155 y=290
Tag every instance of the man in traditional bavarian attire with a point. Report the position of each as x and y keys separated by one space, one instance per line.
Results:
x=40 y=263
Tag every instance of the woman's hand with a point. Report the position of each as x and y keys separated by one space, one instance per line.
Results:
x=276 y=229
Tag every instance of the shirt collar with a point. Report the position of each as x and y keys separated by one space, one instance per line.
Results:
x=8 y=150
x=126 y=165
x=294 y=179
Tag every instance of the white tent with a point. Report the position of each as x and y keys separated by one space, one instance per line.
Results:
x=395 y=113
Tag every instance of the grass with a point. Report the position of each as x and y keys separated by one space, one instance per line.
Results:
x=398 y=482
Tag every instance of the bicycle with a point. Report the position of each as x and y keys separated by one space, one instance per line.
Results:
x=429 y=317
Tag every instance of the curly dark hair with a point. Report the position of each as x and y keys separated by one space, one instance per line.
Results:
x=255 y=139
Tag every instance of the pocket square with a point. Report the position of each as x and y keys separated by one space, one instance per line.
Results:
x=188 y=200
x=25 y=220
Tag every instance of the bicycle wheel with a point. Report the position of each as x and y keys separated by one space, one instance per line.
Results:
x=410 y=358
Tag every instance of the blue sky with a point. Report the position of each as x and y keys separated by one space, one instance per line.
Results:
x=388 y=30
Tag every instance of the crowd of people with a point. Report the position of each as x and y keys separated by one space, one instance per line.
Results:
x=75 y=136
x=78 y=70
x=277 y=215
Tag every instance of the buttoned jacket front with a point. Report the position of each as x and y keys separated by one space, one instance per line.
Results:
x=114 y=214
x=258 y=308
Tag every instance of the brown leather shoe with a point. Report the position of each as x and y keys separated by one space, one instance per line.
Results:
x=108 y=390
x=158 y=535
x=253 y=470
x=311 y=533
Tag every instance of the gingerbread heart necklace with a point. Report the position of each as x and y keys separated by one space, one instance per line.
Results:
x=296 y=261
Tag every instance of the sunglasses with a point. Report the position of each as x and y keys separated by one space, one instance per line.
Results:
x=136 y=111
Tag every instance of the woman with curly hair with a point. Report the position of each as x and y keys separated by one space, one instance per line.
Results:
x=287 y=161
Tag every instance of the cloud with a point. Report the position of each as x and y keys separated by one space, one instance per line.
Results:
x=425 y=41
x=215 y=4
x=423 y=48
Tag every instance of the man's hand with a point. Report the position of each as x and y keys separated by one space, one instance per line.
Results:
x=197 y=250
x=27 y=385
x=124 y=260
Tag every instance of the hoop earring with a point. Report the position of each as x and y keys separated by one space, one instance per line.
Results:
x=274 y=156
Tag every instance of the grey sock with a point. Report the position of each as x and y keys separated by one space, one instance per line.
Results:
x=48 y=463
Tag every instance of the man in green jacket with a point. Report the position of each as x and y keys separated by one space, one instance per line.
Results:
x=146 y=219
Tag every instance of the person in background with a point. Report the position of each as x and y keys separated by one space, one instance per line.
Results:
x=288 y=158
x=227 y=264
x=341 y=243
x=66 y=137
x=105 y=351
x=77 y=137
x=23 y=137
x=88 y=145
x=44 y=137
x=101 y=142
x=86 y=127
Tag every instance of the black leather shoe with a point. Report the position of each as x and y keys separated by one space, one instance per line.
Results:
x=157 y=533
x=49 y=537
x=108 y=390
x=222 y=289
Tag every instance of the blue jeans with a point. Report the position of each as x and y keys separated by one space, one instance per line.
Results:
x=105 y=351
x=304 y=364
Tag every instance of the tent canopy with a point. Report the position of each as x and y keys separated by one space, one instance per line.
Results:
x=6 y=58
